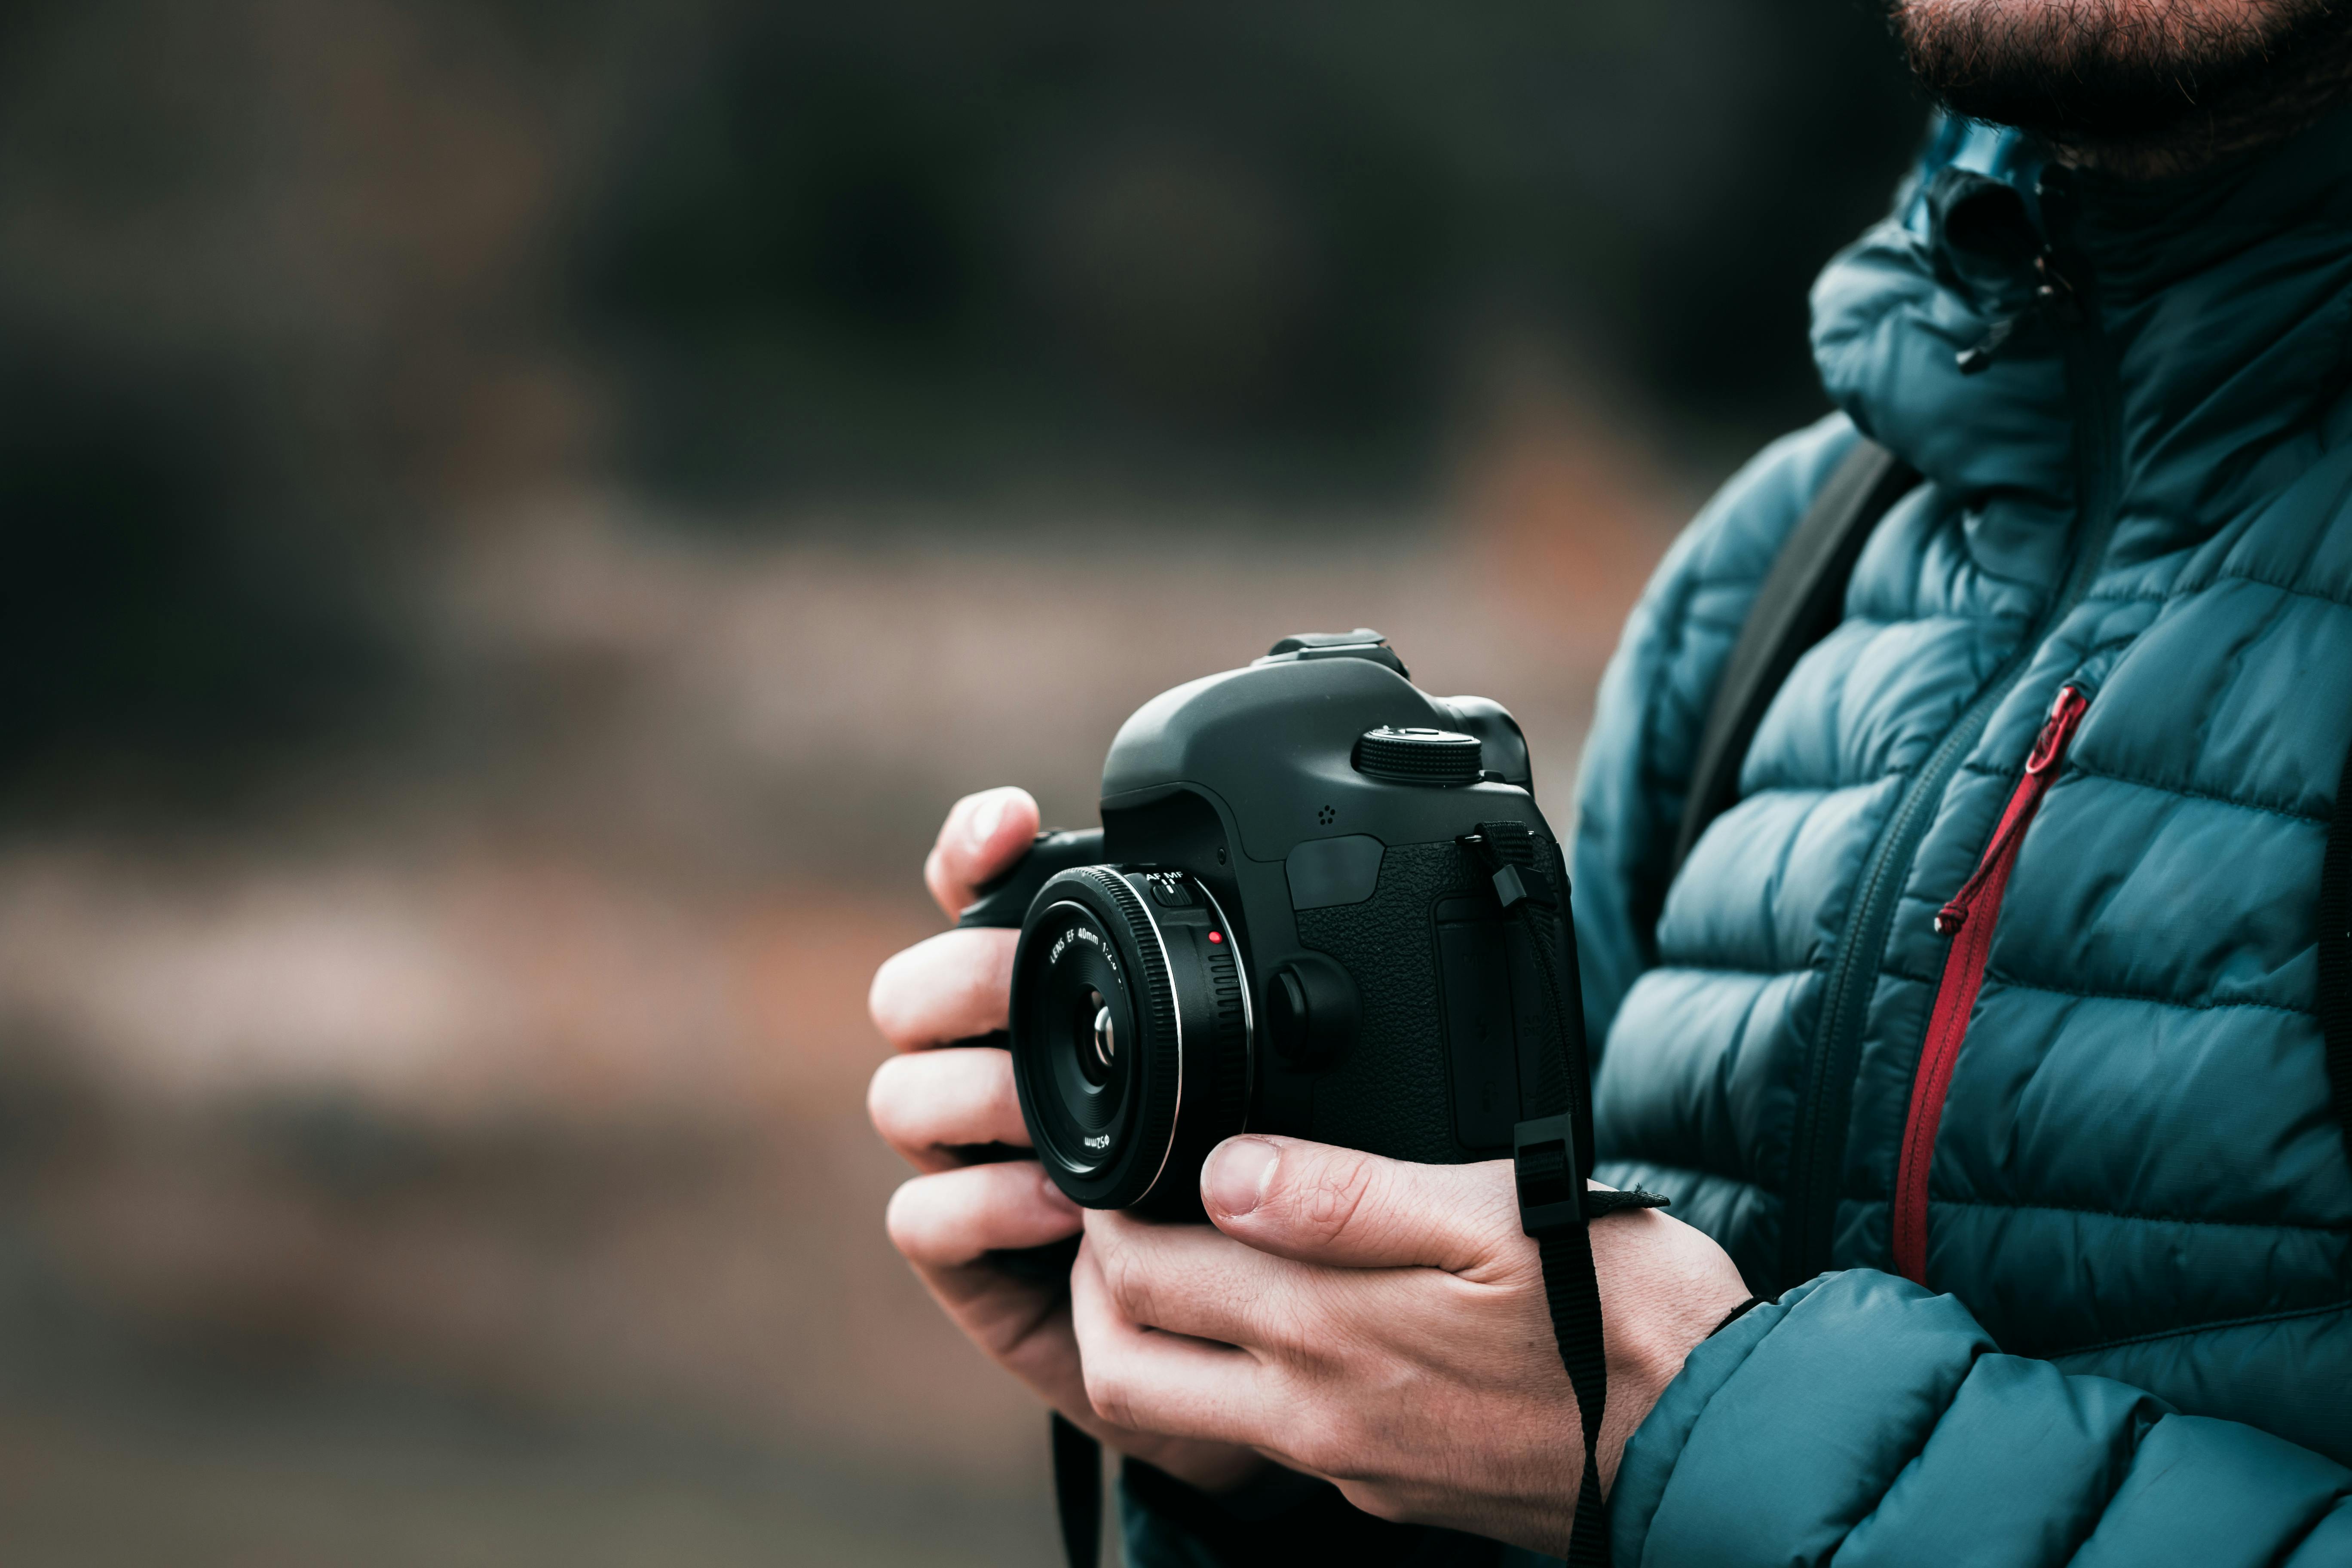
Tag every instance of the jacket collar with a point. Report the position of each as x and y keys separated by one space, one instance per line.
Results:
x=2220 y=303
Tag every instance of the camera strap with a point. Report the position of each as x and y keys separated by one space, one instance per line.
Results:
x=1077 y=1492
x=1552 y=1149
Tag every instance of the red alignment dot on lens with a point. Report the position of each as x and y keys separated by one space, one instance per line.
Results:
x=1214 y=936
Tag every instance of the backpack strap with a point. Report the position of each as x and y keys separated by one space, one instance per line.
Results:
x=2335 y=952
x=1800 y=604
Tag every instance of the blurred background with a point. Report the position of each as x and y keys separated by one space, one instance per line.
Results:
x=519 y=518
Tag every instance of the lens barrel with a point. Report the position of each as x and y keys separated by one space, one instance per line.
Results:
x=1131 y=1034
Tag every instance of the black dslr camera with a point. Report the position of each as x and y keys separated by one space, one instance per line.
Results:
x=1321 y=903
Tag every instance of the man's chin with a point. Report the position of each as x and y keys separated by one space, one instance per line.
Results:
x=2131 y=74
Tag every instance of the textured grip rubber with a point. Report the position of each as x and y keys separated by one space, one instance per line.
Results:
x=1003 y=900
x=1392 y=1095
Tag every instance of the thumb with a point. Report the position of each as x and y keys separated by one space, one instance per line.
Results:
x=1317 y=1204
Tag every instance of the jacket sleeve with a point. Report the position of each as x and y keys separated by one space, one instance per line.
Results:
x=1863 y=1419
x=1644 y=744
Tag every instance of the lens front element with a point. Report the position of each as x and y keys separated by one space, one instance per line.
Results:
x=1106 y=1035
x=1076 y=1013
x=1125 y=1025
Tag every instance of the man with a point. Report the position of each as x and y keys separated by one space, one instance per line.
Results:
x=1979 y=1034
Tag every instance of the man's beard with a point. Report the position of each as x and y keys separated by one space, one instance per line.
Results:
x=2148 y=87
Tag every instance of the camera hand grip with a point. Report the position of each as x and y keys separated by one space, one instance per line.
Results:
x=1003 y=900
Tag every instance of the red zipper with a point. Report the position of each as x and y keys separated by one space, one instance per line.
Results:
x=1968 y=919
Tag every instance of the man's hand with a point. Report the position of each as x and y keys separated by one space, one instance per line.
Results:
x=1383 y=1325
x=954 y=1114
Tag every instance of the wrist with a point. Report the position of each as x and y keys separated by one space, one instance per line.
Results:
x=1649 y=1334
x=1659 y=1338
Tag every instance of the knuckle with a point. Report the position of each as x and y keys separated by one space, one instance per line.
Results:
x=1109 y=1394
x=1129 y=1283
x=1320 y=1451
x=1329 y=1199
x=1293 y=1325
x=1351 y=1439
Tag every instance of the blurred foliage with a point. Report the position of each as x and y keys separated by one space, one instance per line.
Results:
x=937 y=242
x=148 y=599
x=288 y=292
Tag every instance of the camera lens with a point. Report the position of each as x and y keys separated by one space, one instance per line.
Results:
x=1099 y=1019
x=1130 y=1034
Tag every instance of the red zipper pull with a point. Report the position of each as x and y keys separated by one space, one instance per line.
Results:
x=1971 y=918
x=2065 y=713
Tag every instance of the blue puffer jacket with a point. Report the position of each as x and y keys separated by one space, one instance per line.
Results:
x=2109 y=1153
x=2128 y=1197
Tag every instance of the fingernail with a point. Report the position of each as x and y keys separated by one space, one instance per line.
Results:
x=1238 y=1172
x=984 y=818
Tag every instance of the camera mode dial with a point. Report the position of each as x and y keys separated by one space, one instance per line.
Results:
x=1442 y=757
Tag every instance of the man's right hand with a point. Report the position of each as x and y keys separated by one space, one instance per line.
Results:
x=950 y=1108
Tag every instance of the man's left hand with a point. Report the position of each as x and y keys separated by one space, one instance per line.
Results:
x=1383 y=1325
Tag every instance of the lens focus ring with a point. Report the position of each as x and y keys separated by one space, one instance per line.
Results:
x=1233 y=1036
x=1161 y=1027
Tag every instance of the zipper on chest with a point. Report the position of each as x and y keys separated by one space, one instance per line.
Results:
x=1968 y=919
x=1810 y=1195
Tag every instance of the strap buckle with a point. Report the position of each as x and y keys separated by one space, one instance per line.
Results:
x=1543 y=1159
x=1515 y=885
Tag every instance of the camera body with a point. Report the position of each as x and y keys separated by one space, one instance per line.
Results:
x=1291 y=921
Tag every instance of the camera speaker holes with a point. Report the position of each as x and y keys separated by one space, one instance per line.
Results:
x=1327 y=815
